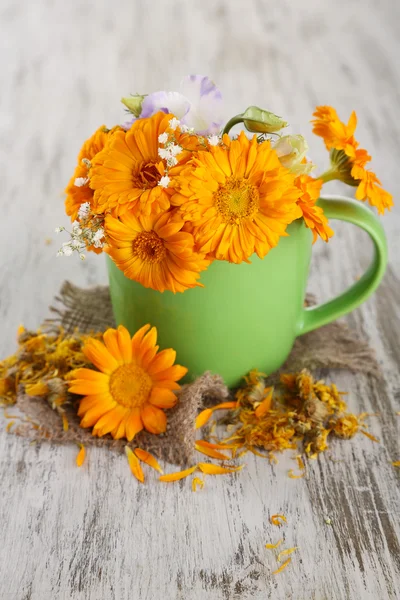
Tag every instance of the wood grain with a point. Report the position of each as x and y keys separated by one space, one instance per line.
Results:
x=94 y=533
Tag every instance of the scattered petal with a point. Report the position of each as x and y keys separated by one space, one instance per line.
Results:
x=178 y=475
x=197 y=482
x=80 y=457
x=293 y=476
x=282 y=567
x=210 y=469
x=11 y=423
x=149 y=459
x=65 y=422
x=396 y=463
x=134 y=464
x=369 y=435
x=286 y=552
x=278 y=519
x=273 y=546
x=211 y=452
x=203 y=417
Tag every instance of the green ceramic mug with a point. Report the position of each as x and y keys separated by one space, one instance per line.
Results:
x=248 y=316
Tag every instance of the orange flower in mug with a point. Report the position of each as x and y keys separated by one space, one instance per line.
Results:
x=133 y=386
x=237 y=198
x=313 y=215
x=130 y=173
x=78 y=190
x=155 y=251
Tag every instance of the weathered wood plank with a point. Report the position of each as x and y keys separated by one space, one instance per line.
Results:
x=94 y=533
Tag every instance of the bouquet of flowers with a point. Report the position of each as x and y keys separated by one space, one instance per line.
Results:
x=171 y=190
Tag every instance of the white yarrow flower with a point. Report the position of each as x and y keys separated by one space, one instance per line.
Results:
x=81 y=181
x=172 y=161
x=213 y=140
x=164 y=181
x=174 y=123
x=163 y=153
x=163 y=138
x=59 y=229
x=67 y=250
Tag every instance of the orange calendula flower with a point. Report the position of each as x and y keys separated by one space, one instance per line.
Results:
x=134 y=385
x=78 y=190
x=313 y=215
x=237 y=198
x=155 y=251
x=347 y=159
x=130 y=174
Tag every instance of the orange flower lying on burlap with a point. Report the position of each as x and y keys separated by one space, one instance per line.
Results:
x=132 y=387
x=155 y=251
x=348 y=160
x=237 y=198
x=79 y=194
x=126 y=175
x=313 y=215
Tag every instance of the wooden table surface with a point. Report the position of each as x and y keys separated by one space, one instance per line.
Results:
x=94 y=533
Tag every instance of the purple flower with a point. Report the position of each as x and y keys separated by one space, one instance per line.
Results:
x=198 y=105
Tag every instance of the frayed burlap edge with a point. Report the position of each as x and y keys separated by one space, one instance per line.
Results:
x=334 y=346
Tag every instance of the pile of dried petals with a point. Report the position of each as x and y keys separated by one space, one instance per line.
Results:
x=42 y=365
x=298 y=412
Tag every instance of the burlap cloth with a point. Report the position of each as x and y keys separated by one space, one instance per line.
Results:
x=333 y=346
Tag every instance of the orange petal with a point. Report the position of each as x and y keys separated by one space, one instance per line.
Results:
x=148 y=342
x=125 y=344
x=134 y=464
x=265 y=405
x=137 y=338
x=211 y=452
x=98 y=354
x=174 y=373
x=197 y=482
x=80 y=457
x=162 y=361
x=278 y=519
x=90 y=375
x=293 y=476
x=178 y=475
x=134 y=424
x=65 y=422
x=225 y=405
x=285 y=564
x=285 y=553
x=215 y=446
x=110 y=420
x=203 y=417
x=85 y=387
x=210 y=469
x=162 y=398
x=273 y=546
x=154 y=419
x=148 y=458
x=95 y=413
x=110 y=338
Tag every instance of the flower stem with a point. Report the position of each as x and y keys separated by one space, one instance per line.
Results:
x=329 y=175
x=231 y=123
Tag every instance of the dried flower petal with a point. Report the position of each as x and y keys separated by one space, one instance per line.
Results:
x=265 y=405
x=273 y=546
x=278 y=519
x=178 y=475
x=203 y=417
x=220 y=446
x=293 y=476
x=134 y=464
x=65 y=422
x=210 y=469
x=282 y=567
x=396 y=463
x=149 y=459
x=80 y=457
x=211 y=452
x=11 y=423
x=197 y=482
x=369 y=435
x=286 y=552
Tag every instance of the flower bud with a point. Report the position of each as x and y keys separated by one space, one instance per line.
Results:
x=258 y=120
x=292 y=150
x=134 y=104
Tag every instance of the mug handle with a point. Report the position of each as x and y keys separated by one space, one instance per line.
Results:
x=344 y=209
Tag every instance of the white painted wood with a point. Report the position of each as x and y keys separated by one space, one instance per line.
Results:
x=94 y=533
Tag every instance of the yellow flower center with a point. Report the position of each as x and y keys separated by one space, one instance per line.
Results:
x=237 y=200
x=149 y=247
x=148 y=176
x=130 y=385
